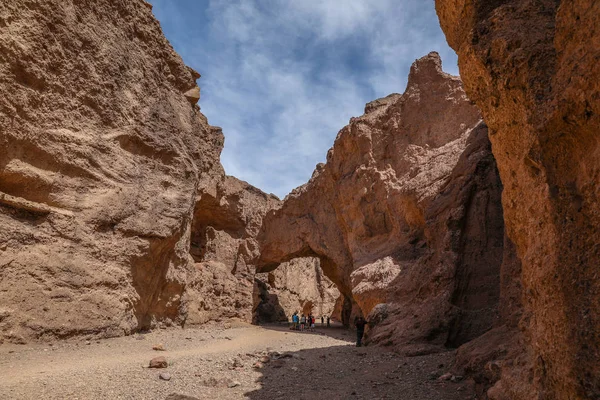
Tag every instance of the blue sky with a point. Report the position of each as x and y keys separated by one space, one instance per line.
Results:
x=282 y=77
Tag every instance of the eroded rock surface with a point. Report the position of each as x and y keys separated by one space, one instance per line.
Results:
x=406 y=215
x=102 y=157
x=532 y=67
x=227 y=217
x=296 y=286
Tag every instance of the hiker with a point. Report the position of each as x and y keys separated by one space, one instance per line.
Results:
x=328 y=321
x=295 y=320
x=360 y=324
x=302 y=322
x=322 y=320
x=312 y=323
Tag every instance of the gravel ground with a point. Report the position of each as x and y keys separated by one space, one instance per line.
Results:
x=219 y=363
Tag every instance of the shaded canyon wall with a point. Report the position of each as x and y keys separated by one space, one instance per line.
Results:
x=532 y=68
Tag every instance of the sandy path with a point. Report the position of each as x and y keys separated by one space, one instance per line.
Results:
x=200 y=364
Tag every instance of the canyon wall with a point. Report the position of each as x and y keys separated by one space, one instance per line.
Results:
x=115 y=212
x=532 y=68
x=405 y=217
x=103 y=151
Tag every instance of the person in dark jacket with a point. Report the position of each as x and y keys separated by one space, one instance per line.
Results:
x=360 y=324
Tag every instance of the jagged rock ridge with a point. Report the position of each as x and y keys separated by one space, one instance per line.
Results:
x=405 y=214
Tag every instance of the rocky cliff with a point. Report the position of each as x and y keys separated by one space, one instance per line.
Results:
x=103 y=153
x=405 y=217
x=532 y=68
x=115 y=212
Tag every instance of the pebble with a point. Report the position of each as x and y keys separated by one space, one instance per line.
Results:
x=165 y=376
x=446 y=377
x=158 y=347
x=233 y=384
x=158 y=362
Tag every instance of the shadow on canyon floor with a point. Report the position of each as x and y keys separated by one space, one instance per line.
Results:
x=348 y=372
x=336 y=330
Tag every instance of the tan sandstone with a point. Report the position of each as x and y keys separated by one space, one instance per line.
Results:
x=102 y=159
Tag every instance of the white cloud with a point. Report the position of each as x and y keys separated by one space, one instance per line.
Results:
x=282 y=77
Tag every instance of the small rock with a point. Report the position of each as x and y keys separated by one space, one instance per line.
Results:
x=165 y=376
x=158 y=347
x=158 y=362
x=294 y=369
x=193 y=95
x=233 y=384
x=88 y=343
x=456 y=378
x=265 y=359
x=446 y=377
x=258 y=365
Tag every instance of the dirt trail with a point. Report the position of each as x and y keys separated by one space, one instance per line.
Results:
x=320 y=365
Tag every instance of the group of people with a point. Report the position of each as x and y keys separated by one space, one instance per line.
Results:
x=306 y=322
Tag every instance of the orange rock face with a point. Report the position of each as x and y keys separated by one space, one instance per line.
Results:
x=101 y=159
x=532 y=68
x=405 y=216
